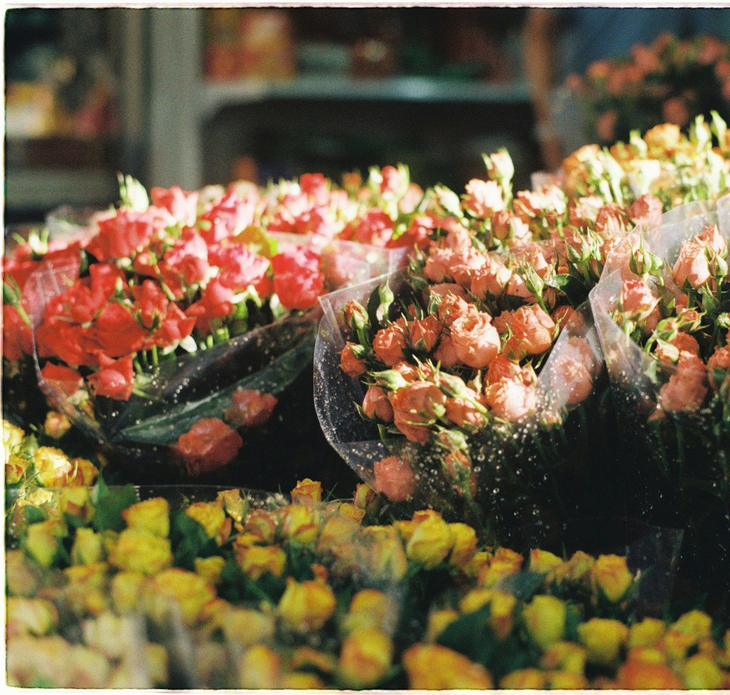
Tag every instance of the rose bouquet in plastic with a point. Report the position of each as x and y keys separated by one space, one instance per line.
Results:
x=668 y=81
x=173 y=324
x=473 y=377
x=662 y=314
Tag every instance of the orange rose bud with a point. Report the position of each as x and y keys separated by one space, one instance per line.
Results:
x=433 y=667
x=640 y=675
x=250 y=408
x=307 y=492
x=394 y=478
x=350 y=363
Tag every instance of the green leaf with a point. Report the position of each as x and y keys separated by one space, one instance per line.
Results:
x=34 y=515
x=257 y=241
x=522 y=585
x=189 y=540
x=571 y=287
x=110 y=504
x=471 y=635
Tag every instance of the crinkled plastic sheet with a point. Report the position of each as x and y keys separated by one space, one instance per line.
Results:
x=197 y=385
x=674 y=467
x=526 y=474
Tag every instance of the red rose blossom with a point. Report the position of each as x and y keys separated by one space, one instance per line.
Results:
x=250 y=408
x=208 y=445
x=115 y=378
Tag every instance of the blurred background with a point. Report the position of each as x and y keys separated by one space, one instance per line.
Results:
x=199 y=96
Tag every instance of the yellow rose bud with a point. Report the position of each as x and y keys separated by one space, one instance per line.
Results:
x=76 y=502
x=86 y=590
x=567 y=680
x=385 y=557
x=262 y=524
x=438 y=621
x=212 y=518
x=30 y=616
x=566 y=656
x=501 y=616
x=306 y=657
x=723 y=657
x=433 y=667
x=365 y=657
x=307 y=492
x=84 y=473
x=695 y=623
x=126 y=589
x=15 y=468
x=246 y=626
x=700 y=672
x=157 y=668
x=177 y=586
x=257 y=560
x=475 y=599
x=465 y=544
x=524 y=679
x=350 y=511
x=56 y=424
x=300 y=524
x=430 y=543
x=87 y=547
x=41 y=542
x=503 y=563
x=368 y=608
x=544 y=619
x=405 y=528
x=12 y=438
x=336 y=531
x=544 y=562
x=137 y=550
x=210 y=568
x=603 y=639
x=641 y=675
x=260 y=667
x=648 y=654
x=646 y=633
x=52 y=466
x=366 y=499
x=611 y=575
x=306 y=606
x=236 y=506
x=151 y=515
x=577 y=570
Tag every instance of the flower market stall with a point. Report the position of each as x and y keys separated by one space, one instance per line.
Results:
x=528 y=392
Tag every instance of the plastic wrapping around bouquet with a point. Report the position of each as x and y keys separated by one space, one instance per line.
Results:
x=179 y=392
x=675 y=467
x=525 y=473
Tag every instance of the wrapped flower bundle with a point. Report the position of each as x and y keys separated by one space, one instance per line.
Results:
x=237 y=590
x=667 y=81
x=662 y=315
x=173 y=323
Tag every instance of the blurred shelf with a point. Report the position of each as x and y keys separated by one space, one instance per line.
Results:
x=42 y=189
x=217 y=95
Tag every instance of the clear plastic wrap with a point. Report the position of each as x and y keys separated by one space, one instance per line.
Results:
x=548 y=466
x=676 y=463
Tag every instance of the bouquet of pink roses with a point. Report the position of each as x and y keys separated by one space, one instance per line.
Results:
x=662 y=310
x=173 y=324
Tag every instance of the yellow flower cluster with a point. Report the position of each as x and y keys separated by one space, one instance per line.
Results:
x=317 y=594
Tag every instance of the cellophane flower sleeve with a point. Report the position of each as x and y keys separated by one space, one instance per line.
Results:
x=676 y=451
x=171 y=397
x=549 y=465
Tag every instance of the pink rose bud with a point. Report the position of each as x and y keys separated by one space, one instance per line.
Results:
x=573 y=382
x=376 y=405
x=719 y=361
x=394 y=478
x=511 y=399
x=389 y=342
x=483 y=198
x=416 y=408
x=490 y=279
x=452 y=307
x=503 y=368
x=463 y=413
x=692 y=265
x=476 y=340
x=424 y=333
x=637 y=300
x=445 y=353
x=534 y=328
x=349 y=362
x=647 y=211
x=437 y=265
x=712 y=239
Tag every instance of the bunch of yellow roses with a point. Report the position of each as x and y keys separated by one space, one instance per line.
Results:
x=107 y=590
